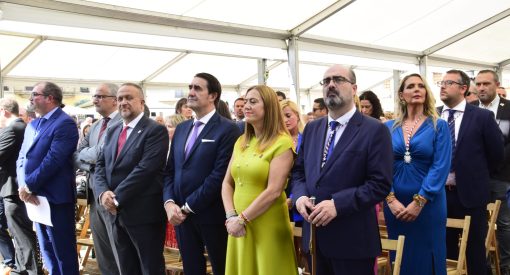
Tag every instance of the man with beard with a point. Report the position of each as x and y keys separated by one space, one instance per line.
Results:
x=128 y=182
x=353 y=175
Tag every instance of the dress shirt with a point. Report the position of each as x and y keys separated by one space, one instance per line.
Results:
x=132 y=124
x=343 y=120
x=493 y=106
x=204 y=121
x=457 y=116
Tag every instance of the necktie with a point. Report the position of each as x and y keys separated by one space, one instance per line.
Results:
x=103 y=127
x=122 y=139
x=330 y=143
x=193 y=138
x=42 y=120
x=451 y=125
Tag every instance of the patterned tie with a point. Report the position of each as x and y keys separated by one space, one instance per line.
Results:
x=122 y=140
x=193 y=138
x=103 y=127
x=42 y=120
x=451 y=125
x=330 y=144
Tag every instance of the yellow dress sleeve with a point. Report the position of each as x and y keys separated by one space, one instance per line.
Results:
x=281 y=145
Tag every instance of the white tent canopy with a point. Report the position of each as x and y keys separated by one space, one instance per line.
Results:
x=288 y=44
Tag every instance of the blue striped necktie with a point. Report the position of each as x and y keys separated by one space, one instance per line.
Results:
x=451 y=125
x=330 y=144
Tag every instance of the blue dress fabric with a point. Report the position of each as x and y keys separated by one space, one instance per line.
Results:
x=425 y=238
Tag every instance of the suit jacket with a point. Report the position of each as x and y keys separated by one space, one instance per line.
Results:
x=136 y=175
x=479 y=149
x=89 y=148
x=357 y=176
x=45 y=162
x=503 y=120
x=11 y=138
x=197 y=180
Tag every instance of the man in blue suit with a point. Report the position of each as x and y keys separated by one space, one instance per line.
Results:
x=199 y=155
x=128 y=182
x=477 y=148
x=45 y=168
x=345 y=162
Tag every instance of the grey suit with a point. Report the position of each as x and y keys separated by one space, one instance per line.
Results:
x=85 y=159
x=20 y=226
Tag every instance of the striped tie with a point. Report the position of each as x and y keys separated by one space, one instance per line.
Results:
x=330 y=144
x=451 y=125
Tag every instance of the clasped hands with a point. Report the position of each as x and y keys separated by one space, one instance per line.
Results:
x=320 y=215
x=234 y=227
x=28 y=197
x=174 y=213
x=405 y=214
x=108 y=202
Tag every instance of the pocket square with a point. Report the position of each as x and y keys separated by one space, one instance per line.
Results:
x=207 y=140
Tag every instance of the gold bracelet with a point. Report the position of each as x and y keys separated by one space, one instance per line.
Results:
x=390 y=198
x=420 y=200
x=244 y=218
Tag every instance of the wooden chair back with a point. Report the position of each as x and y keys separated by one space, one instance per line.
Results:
x=459 y=266
x=398 y=247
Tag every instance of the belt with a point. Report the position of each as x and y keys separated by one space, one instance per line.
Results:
x=450 y=187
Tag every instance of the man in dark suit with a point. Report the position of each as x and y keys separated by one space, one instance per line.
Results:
x=487 y=83
x=45 y=168
x=348 y=175
x=105 y=101
x=477 y=147
x=129 y=185
x=20 y=226
x=199 y=155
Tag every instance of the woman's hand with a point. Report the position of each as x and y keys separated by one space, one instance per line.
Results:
x=410 y=213
x=289 y=203
x=396 y=207
x=234 y=228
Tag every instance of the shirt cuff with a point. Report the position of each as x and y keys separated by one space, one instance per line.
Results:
x=24 y=187
x=187 y=209
x=167 y=201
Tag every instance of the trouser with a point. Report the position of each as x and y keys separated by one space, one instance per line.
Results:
x=6 y=246
x=25 y=240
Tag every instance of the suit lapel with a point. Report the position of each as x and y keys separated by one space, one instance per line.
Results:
x=133 y=137
x=466 y=120
x=317 y=142
x=207 y=128
x=44 y=127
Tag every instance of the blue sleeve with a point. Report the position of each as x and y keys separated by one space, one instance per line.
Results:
x=435 y=180
x=389 y=124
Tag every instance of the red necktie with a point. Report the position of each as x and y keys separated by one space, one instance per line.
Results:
x=122 y=139
x=103 y=127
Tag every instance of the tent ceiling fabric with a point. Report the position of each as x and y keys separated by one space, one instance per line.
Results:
x=168 y=41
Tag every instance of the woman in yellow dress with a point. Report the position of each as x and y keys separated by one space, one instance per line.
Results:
x=260 y=236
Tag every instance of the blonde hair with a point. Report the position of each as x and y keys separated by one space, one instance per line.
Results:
x=429 y=106
x=295 y=109
x=272 y=124
x=174 y=120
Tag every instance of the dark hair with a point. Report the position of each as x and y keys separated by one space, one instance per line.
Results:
x=464 y=79
x=213 y=85
x=181 y=102
x=223 y=110
x=377 y=111
x=281 y=94
x=321 y=102
x=494 y=74
x=54 y=90
x=240 y=98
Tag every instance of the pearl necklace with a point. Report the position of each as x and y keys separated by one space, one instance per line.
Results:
x=407 y=155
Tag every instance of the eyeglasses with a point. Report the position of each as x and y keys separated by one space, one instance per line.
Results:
x=447 y=83
x=99 y=97
x=316 y=109
x=34 y=94
x=336 y=79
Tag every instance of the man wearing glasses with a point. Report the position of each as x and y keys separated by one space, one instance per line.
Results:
x=487 y=83
x=352 y=175
x=45 y=168
x=105 y=101
x=319 y=108
x=476 y=148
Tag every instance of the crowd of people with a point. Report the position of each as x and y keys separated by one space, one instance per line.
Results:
x=229 y=185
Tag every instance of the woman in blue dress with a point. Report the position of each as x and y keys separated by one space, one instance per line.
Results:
x=416 y=206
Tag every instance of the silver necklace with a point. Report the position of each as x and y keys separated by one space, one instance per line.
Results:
x=407 y=154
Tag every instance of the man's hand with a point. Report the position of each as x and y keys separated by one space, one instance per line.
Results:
x=323 y=213
x=108 y=202
x=303 y=205
x=28 y=197
x=174 y=213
